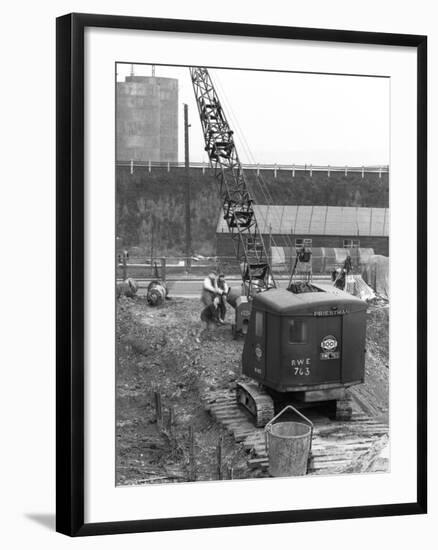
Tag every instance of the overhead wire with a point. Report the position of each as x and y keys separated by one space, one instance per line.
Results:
x=261 y=183
x=263 y=186
x=245 y=146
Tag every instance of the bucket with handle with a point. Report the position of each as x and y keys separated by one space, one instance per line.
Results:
x=288 y=445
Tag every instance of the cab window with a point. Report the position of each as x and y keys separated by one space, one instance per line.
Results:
x=297 y=331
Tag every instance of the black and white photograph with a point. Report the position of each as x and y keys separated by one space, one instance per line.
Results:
x=216 y=275
x=252 y=274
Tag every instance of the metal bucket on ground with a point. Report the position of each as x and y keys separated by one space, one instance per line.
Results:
x=288 y=445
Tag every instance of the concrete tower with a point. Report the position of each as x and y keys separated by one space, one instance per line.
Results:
x=147 y=119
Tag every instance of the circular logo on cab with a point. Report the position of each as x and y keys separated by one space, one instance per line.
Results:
x=329 y=343
x=258 y=351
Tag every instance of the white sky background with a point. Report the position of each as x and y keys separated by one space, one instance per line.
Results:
x=290 y=118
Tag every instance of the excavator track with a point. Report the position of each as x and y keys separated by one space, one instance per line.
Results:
x=256 y=401
x=344 y=408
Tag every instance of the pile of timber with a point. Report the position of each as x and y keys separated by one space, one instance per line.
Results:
x=337 y=446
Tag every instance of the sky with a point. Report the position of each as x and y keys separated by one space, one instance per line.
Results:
x=290 y=118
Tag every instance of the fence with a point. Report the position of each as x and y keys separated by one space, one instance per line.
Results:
x=292 y=168
x=177 y=267
x=324 y=260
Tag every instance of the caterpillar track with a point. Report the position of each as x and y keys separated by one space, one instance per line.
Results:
x=337 y=446
x=261 y=405
x=257 y=402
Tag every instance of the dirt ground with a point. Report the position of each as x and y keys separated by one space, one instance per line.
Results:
x=165 y=350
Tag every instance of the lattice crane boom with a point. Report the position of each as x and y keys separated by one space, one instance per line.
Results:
x=237 y=202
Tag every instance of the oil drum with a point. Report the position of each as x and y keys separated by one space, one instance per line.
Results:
x=156 y=293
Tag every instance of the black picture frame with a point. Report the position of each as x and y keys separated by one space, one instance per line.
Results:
x=70 y=273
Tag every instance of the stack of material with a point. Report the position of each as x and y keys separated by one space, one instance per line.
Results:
x=376 y=274
x=356 y=286
x=353 y=284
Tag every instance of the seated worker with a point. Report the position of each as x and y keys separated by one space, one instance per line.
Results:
x=210 y=291
x=224 y=288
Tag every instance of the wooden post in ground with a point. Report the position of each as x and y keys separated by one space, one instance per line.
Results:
x=230 y=471
x=125 y=268
x=192 y=464
x=170 y=420
x=158 y=409
x=152 y=243
x=219 y=457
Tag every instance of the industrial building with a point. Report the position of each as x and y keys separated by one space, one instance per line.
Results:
x=334 y=227
x=147 y=119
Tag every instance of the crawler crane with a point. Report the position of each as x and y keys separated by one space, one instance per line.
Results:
x=304 y=344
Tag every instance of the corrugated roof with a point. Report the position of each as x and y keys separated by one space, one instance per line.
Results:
x=320 y=220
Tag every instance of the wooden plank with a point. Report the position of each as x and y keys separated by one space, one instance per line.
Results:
x=227 y=406
x=228 y=416
x=336 y=446
x=348 y=443
x=365 y=459
x=363 y=404
x=240 y=437
x=219 y=457
x=254 y=463
x=339 y=454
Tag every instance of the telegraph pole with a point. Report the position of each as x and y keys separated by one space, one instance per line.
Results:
x=187 y=193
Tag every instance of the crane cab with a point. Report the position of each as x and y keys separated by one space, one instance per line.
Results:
x=312 y=343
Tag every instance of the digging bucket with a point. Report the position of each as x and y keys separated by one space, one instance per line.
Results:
x=288 y=445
